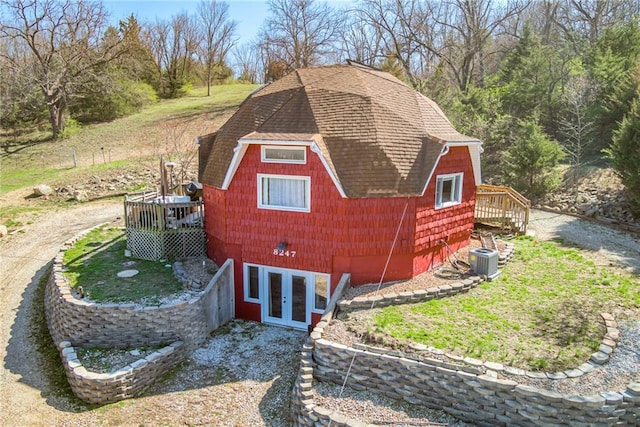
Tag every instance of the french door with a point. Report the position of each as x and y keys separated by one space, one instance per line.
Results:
x=286 y=299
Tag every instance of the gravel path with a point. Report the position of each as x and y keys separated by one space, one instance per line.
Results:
x=238 y=378
x=607 y=244
x=27 y=395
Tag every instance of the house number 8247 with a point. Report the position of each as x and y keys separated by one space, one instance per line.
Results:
x=282 y=252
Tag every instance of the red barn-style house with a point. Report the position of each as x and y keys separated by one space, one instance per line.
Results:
x=321 y=173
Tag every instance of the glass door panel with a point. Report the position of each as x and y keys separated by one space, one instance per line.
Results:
x=286 y=297
x=274 y=282
x=298 y=298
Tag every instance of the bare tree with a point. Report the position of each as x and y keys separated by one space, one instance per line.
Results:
x=405 y=28
x=584 y=20
x=467 y=28
x=247 y=61
x=217 y=33
x=425 y=35
x=173 y=45
x=576 y=126
x=300 y=33
x=64 y=43
x=176 y=146
x=360 y=41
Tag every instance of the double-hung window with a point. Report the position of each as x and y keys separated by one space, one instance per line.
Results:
x=448 y=190
x=284 y=192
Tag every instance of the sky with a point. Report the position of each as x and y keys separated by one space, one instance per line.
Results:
x=249 y=14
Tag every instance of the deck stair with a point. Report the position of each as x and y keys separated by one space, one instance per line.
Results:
x=502 y=207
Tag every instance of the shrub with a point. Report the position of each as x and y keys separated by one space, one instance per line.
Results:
x=71 y=127
x=110 y=100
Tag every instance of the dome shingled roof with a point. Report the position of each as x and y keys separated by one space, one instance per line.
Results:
x=379 y=136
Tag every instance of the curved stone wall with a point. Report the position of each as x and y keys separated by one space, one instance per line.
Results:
x=85 y=323
x=479 y=397
x=421 y=295
x=126 y=382
x=468 y=389
x=181 y=326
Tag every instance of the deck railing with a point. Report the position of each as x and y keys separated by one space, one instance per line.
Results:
x=152 y=212
x=164 y=227
x=503 y=207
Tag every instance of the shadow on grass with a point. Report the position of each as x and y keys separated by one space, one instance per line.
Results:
x=12 y=145
x=42 y=369
x=196 y=112
x=568 y=325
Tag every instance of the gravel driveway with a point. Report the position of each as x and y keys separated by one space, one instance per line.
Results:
x=238 y=378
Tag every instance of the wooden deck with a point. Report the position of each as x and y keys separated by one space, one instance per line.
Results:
x=169 y=227
x=502 y=207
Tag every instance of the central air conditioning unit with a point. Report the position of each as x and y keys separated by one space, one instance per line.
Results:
x=484 y=262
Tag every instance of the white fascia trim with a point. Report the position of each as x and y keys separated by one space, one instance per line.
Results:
x=243 y=144
x=443 y=151
x=475 y=147
x=238 y=154
x=273 y=142
x=241 y=149
x=314 y=147
x=474 y=152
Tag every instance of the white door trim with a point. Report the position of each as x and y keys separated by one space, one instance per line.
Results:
x=287 y=303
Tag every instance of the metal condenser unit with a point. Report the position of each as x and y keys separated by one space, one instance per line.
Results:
x=484 y=262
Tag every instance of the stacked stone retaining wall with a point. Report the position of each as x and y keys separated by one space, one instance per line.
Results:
x=126 y=382
x=180 y=326
x=468 y=389
x=90 y=324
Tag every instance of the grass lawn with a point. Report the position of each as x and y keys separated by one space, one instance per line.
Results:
x=542 y=313
x=31 y=157
x=95 y=261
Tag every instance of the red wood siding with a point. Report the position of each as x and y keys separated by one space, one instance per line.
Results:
x=454 y=224
x=339 y=235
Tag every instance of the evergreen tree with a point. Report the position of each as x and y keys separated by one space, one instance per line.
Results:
x=625 y=154
x=531 y=159
x=530 y=80
x=616 y=57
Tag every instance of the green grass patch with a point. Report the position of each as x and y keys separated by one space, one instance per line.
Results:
x=31 y=157
x=8 y=215
x=14 y=178
x=95 y=260
x=542 y=313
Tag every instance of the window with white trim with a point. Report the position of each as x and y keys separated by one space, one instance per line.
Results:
x=284 y=192
x=448 y=190
x=320 y=292
x=282 y=154
x=252 y=283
